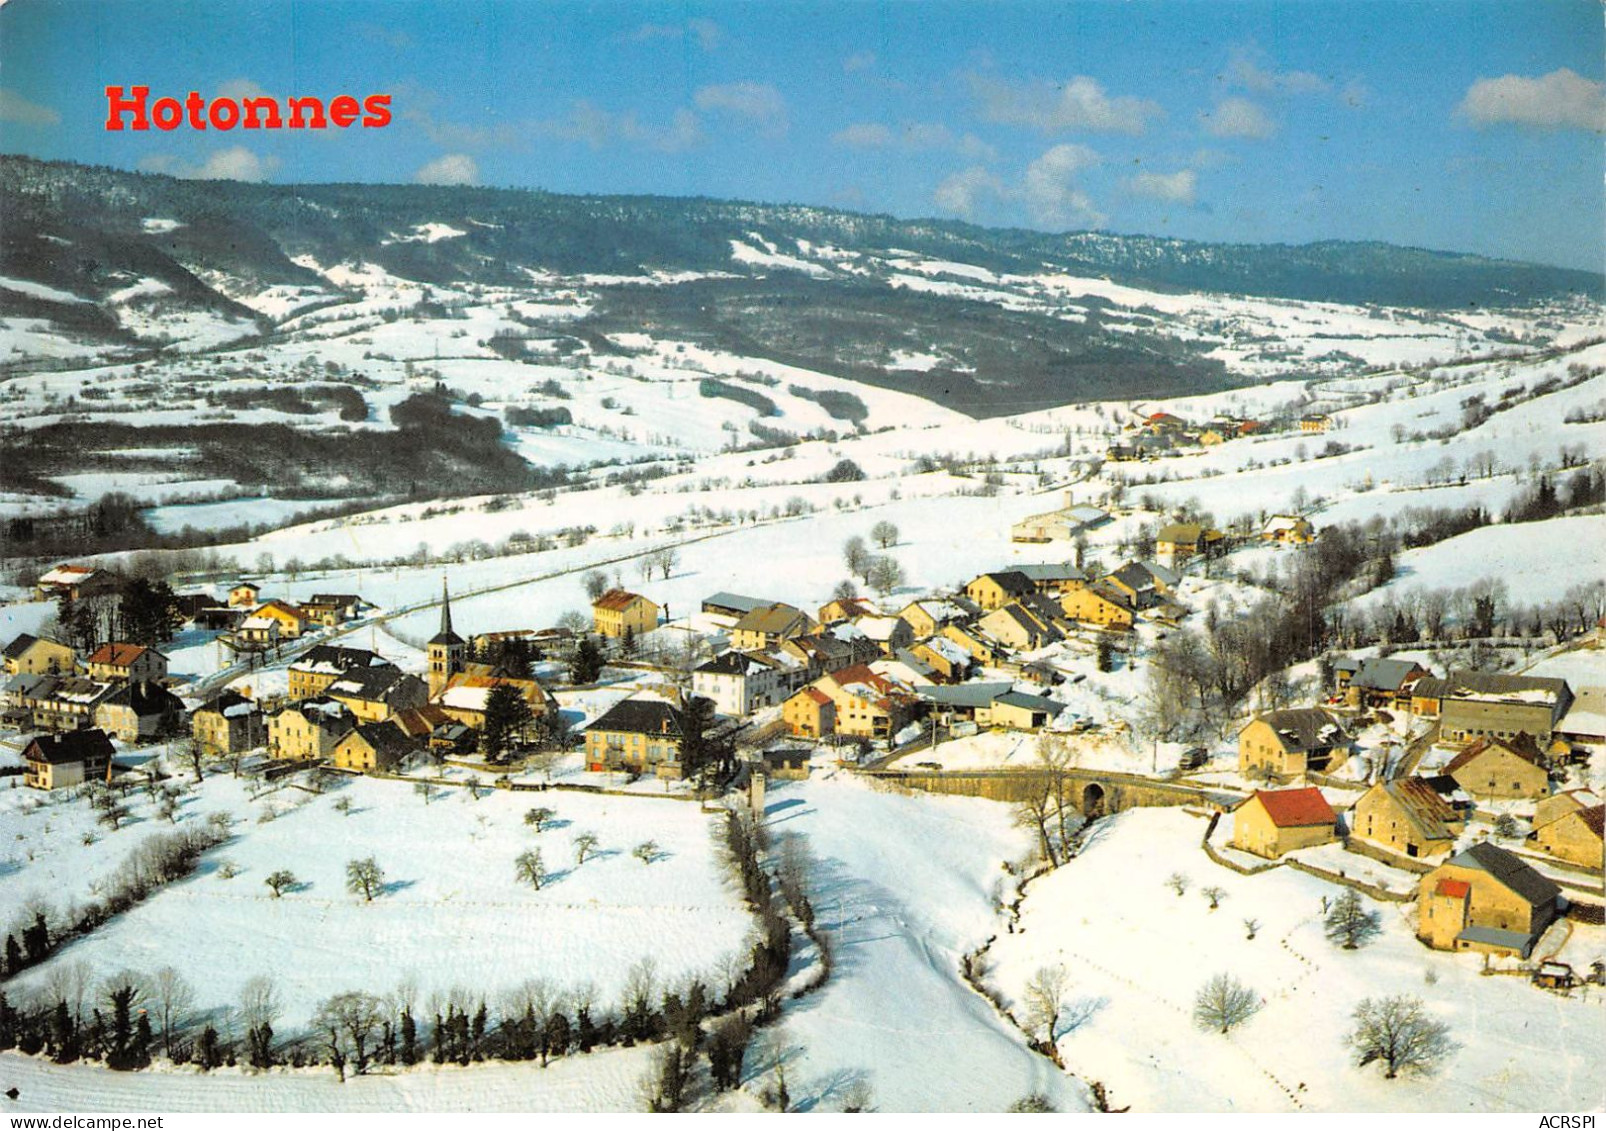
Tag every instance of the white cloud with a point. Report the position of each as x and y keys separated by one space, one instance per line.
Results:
x=1237 y=117
x=863 y=135
x=15 y=108
x=758 y=102
x=964 y=193
x=452 y=169
x=1051 y=192
x=862 y=61
x=1178 y=187
x=241 y=88
x=912 y=137
x=237 y=163
x=1560 y=100
x=1244 y=71
x=705 y=33
x=1080 y=103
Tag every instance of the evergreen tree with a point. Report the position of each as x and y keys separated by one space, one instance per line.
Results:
x=507 y=714
x=63 y=1035
x=207 y=1052
x=8 y=1024
x=587 y=665
x=36 y=939
x=13 y=955
x=409 y=1038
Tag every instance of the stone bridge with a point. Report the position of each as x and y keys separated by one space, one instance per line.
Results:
x=1097 y=792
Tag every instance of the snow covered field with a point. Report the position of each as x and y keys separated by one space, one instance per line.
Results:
x=452 y=913
x=1136 y=955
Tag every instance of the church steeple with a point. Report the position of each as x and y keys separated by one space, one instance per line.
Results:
x=445 y=648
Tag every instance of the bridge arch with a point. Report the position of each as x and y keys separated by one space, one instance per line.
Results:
x=1094 y=800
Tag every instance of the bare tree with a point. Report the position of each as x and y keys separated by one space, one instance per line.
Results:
x=585 y=845
x=529 y=868
x=539 y=817
x=1396 y=1031
x=346 y=1023
x=1044 y=998
x=173 y=998
x=365 y=878
x=278 y=881
x=884 y=574
x=885 y=534
x=1349 y=923
x=424 y=790
x=646 y=851
x=1032 y=813
x=1177 y=882
x=1214 y=894
x=596 y=583
x=1223 y=1002
x=857 y=557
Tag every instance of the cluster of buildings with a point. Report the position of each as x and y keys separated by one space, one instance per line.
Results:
x=1508 y=738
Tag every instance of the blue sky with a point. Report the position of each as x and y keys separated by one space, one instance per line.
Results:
x=1467 y=126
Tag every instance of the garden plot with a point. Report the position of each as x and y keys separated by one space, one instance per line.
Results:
x=450 y=912
x=1136 y=954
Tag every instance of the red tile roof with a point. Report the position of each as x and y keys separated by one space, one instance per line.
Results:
x=617 y=599
x=1455 y=889
x=1295 y=808
x=119 y=655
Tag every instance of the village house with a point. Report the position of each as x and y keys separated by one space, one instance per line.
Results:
x=61 y=761
x=949 y=663
x=1575 y=837
x=76 y=582
x=312 y=672
x=846 y=608
x=374 y=694
x=54 y=702
x=1560 y=804
x=1026 y=625
x=292 y=624
x=769 y=625
x=1315 y=422
x=308 y=729
x=1408 y=816
x=1291 y=742
x=728 y=608
x=466 y=694
x=1053 y=577
x=867 y=705
x=1377 y=682
x=890 y=634
x=332 y=609
x=904 y=667
x=229 y=723
x=1144 y=584
x=1062 y=524
x=926 y=618
x=1273 y=822
x=1485 y=899
x=1471 y=704
x=35 y=655
x=1102 y=604
x=430 y=724
x=118 y=661
x=619 y=612
x=1501 y=769
x=834 y=648
x=1288 y=530
x=637 y=734
x=739 y=683
x=997 y=589
x=257 y=634
x=372 y=746
x=1019 y=710
x=139 y=710
x=982 y=650
x=1183 y=540
x=244 y=595
x=809 y=713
